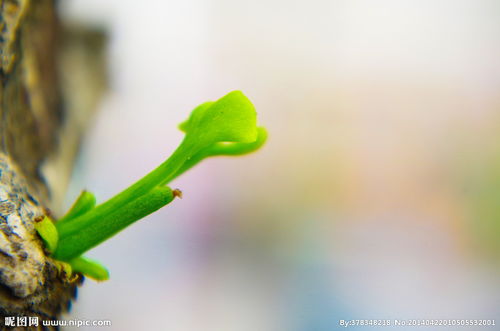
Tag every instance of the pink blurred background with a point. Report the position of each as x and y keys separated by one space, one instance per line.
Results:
x=376 y=195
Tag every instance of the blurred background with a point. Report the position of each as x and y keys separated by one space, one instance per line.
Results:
x=376 y=196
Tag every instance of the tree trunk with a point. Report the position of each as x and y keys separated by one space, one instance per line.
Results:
x=51 y=80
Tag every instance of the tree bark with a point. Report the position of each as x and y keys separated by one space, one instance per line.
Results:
x=51 y=80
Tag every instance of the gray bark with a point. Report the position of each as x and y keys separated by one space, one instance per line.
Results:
x=51 y=80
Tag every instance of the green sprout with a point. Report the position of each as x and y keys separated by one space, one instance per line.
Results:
x=227 y=126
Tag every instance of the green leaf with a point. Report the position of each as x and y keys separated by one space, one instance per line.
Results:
x=48 y=232
x=225 y=149
x=85 y=202
x=227 y=126
x=89 y=268
x=231 y=118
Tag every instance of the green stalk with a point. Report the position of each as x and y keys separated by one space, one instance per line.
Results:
x=86 y=233
x=90 y=268
x=158 y=177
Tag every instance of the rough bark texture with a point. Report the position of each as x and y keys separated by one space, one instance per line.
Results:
x=51 y=80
